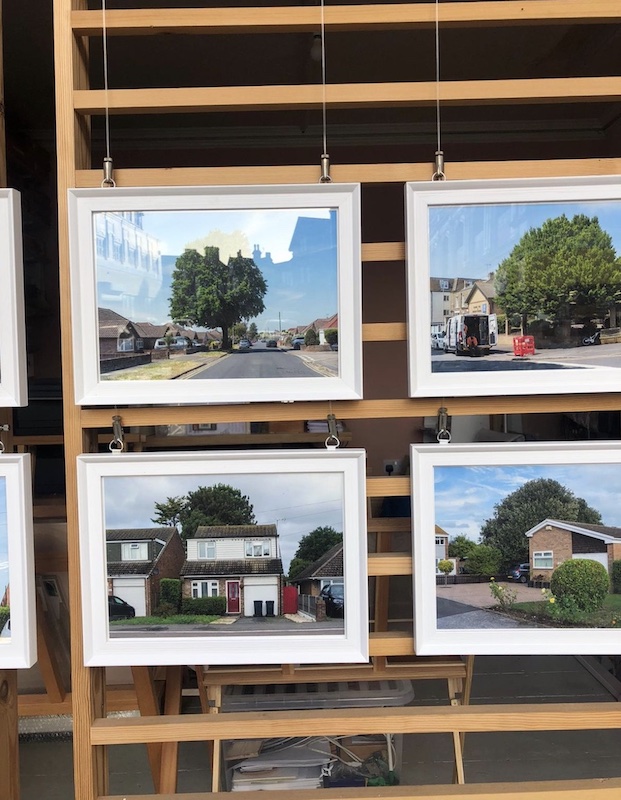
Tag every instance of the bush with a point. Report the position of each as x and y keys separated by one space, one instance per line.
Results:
x=170 y=592
x=581 y=583
x=616 y=577
x=332 y=335
x=311 y=337
x=204 y=605
x=483 y=560
x=166 y=610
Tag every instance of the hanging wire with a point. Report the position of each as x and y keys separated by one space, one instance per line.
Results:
x=438 y=175
x=108 y=180
x=325 y=158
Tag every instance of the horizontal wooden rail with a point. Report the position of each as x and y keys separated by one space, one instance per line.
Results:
x=351 y=409
x=391 y=643
x=353 y=721
x=596 y=789
x=349 y=95
x=337 y=18
x=352 y=173
x=389 y=564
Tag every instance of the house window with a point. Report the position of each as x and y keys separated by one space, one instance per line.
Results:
x=125 y=345
x=206 y=549
x=440 y=540
x=134 y=551
x=204 y=589
x=258 y=549
x=543 y=560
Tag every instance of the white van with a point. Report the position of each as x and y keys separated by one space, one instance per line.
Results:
x=470 y=334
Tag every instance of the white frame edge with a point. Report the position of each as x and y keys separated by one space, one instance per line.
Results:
x=102 y=650
x=13 y=368
x=419 y=197
x=91 y=390
x=536 y=641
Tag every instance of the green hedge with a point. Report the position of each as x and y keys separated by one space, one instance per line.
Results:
x=581 y=582
x=170 y=592
x=203 y=605
x=616 y=577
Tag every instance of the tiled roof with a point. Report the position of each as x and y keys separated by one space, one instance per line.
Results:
x=233 y=567
x=587 y=526
x=329 y=565
x=111 y=323
x=234 y=531
x=139 y=534
x=150 y=331
x=118 y=568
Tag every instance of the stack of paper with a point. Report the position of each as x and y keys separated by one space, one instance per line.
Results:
x=291 y=766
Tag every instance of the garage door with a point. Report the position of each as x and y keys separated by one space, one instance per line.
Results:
x=132 y=591
x=260 y=589
x=602 y=558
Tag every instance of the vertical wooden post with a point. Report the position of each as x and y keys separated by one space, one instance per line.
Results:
x=9 y=755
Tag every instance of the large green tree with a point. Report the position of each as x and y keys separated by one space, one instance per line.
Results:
x=208 y=505
x=521 y=510
x=563 y=266
x=208 y=293
x=461 y=547
x=313 y=546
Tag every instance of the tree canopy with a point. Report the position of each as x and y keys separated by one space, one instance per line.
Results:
x=211 y=294
x=208 y=505
x=564 y=264
x=484 y=559
x=312 y=546
x=520 y=511
x=460 y=547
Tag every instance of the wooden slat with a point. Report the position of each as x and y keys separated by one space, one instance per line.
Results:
x=354 y=95
x=395 y=486
x=596 y=789
x=389 y=524
x=384 y=332
x=392 y=643
x=386 y=564
x=375 y=17
x=348 y=173
x=420 y=719
x=383 y=251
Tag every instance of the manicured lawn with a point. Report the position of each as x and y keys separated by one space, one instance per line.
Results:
x=177 y=619
x=607 y=617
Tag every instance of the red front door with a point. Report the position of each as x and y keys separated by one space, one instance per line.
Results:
x=232 y=597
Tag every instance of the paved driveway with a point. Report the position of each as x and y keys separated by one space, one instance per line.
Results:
x=479 y=594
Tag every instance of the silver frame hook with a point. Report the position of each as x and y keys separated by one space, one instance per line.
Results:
x=117 y=444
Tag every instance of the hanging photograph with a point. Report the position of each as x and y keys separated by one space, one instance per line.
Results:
x=517 y=548
x=216 y=294
x=224 y=557
x=13 y=384
x=514 y=286
x=17 y=592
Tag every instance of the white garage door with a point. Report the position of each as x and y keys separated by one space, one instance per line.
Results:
x=132 y=591
x=261 y=589
x=602 y=558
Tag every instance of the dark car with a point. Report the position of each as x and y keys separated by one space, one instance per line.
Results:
x=521 y=573
x=272 y=343
x=119 y=609
x=334 y=598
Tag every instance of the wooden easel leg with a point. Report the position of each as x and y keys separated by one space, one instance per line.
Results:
x=149 y=706
x=170 y=750
x=9 y=751
x=455 y=690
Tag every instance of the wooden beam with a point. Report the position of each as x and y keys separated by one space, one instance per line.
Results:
x=387 y=564
x=9 y=748
x=349 y=95
x=133 y=22
x=353 y=721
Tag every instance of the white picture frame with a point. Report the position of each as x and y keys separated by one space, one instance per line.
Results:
x=18 y=637
x=455 y=489
x=268 y=480
x=458 y=233
x=320 y=277
x=13 y=370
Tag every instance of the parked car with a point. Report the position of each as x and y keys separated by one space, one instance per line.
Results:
x=174 y=343
x=521 y=573
x=272 y=343
x=334 y=598
x=437 y=341
x=297 y=342
x=119 y=609
x=244 y=344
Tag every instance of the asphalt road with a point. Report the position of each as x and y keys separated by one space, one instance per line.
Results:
x=459 y=616
x=258 y=362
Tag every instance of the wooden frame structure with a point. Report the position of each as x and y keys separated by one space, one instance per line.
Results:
x=75 y=103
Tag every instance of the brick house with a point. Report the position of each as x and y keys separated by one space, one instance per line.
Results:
x=553 y=541
x=137 y=559
x=327 y=569
x=117 y=334
x=238 y=562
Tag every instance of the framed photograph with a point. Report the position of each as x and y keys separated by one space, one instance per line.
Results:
x=514 y=286
x=17 y=590
x=216 y=294
x=13 y=383
x=224 y=558
x=517 y=548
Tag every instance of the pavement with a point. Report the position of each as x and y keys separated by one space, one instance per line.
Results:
x=480 y=596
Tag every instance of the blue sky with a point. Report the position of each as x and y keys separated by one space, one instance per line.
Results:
x=465 y=496
x=4 y=549
x=481 y=236
x=296 y=502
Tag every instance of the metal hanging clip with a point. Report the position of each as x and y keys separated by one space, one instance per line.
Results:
x=325 y=169
x=439 y=175
x=117 y=444
x=444 y=434
x=3 y=428
x=108 y=171
x=333 y=441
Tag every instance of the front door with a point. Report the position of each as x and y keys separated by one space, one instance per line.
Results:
x=232 y=597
